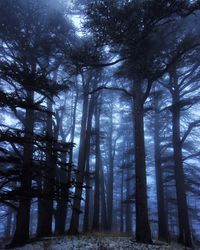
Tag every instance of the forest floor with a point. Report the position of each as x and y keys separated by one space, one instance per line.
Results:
x=96 y=242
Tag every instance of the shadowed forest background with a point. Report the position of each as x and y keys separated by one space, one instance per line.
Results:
x=99 y=119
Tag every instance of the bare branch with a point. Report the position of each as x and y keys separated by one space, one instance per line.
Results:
x=100 y=65
x=111 y=88
x=147 y=92
x=191 y=156
x=190 y=127
x=7 y=203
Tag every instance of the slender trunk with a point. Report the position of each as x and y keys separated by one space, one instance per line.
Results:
x=104 y=217
x=74 y=224
x=21 y=234
x=110 y=176
x=121 y=203
x=87 y=173
x=184 y=225
x=162 y=221
x=71 y=156
x=46 y=202
x=143 y=233
x=87 y=199
x=64 y=175
x=61 y=208
x=95 y=225
x=60 y=184
x=128 y=205
x=110 y=197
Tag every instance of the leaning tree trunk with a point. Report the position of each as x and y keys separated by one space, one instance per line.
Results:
x=143 y=233
x=21 y=234
x=162 y=218
x=183 y=217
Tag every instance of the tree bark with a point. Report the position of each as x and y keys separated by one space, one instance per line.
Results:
x=87 y=173
x=128 y=205
x=61 y=209
x=104 y=216
x=74 y=224
x=96 y=214
x=21 y=235
x=64 y=176
x=184 y=225
x=46 y=202
x=162 y=221
x=122 y=204
x=110 y=175
x=143 y=233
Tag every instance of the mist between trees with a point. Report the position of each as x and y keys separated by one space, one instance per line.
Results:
x=99 y=132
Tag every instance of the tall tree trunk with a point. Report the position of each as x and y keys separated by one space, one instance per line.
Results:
x=104 y=217
x=162 y=220
x=95 y=225
x=110 y=175
x=21 y=234
x=87 y=173
x=61 y=209
x=143 y=233
x=64 y=176
x=86 y=224
x=61 y=182
x=184 y=225
x=71 y=155
x=121 y=203
x=74 y=224
x=46 y=202
x=128 y=205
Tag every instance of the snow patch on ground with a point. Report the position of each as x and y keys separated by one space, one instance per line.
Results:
x=95 y=243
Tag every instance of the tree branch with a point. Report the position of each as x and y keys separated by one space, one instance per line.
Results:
x=7 y=203
x=147 y=92
x=191 y=156
x=99 y=65
x=190 y=127
x=111 y=88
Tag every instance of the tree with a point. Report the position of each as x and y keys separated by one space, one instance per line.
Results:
x=81 y=55
x=25 y=66
x=177 y=88
x=112 y=23
x=162 y=218
x=96 y=215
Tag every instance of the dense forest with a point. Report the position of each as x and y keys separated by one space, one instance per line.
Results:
x=99 y=128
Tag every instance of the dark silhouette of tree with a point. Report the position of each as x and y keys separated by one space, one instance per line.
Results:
x=26 y=65
x=136 y=31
